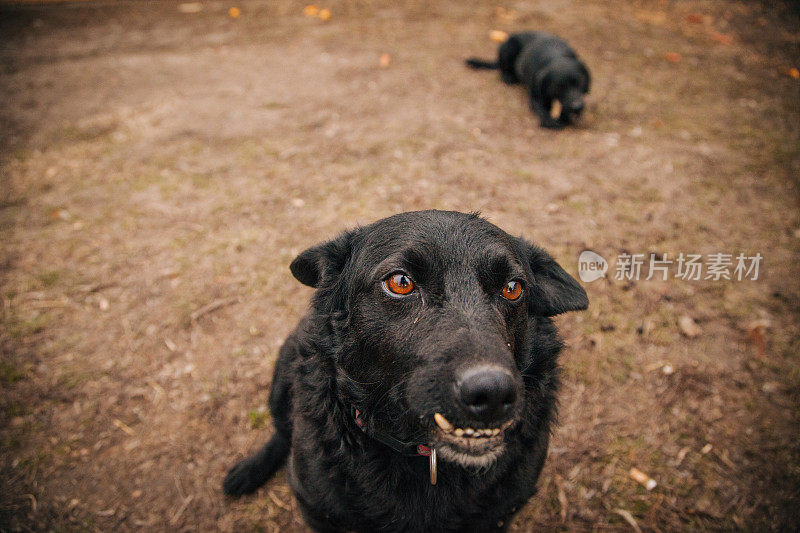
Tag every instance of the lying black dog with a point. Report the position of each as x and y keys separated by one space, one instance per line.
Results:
x=550 y=71
x=417 y=394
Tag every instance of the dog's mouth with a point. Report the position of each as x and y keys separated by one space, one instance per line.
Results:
x=468 y=446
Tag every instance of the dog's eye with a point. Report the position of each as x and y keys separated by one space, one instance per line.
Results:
x=512 y=291
x=398 y=284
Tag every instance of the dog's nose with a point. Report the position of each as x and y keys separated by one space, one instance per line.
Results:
x=487 y=392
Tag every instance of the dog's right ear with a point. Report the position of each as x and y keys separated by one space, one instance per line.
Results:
x=553 y=290
x=585 y=72
x=323 y=262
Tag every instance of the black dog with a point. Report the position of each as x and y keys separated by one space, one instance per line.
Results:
x=550 y=71
x=428 y=338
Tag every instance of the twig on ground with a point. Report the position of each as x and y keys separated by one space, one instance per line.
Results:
x=629 y=519
x=213 y=306
x=177 y=516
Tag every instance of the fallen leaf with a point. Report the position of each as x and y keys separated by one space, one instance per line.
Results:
x=324 y=14
x=695 y=18
x=190 y=7
x=498 y=36
x=384 y=60
x=629 y=519
x=722 y=38
x=310 y=10
x=278 y=502
x=723 y=456
x=234 y=12
x=505 y=15
x=654 y=366
x=755 y=332
x=656 y=18
x=639 y=476
x=707 y=448
x=682 y=455
x=59 y=214
x=672 y=57
x=123 y=426
x=562 y=499
x=688 y=326
x=791 y=72
x=762 y=323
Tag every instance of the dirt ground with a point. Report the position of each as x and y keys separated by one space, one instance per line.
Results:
x=160 y=169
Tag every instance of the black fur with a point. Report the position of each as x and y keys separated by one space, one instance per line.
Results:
x=395 y=360
x=550 y=71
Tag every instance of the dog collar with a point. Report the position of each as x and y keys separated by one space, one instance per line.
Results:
x=406 y=448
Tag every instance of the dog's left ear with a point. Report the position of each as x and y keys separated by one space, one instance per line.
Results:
x=553 y=290
x=322 y=264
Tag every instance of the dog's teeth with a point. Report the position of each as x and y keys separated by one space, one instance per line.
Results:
x=469 y=432
x=459 y=432
x=442 y=422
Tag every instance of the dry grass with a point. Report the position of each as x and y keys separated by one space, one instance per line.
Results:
x=156 y=162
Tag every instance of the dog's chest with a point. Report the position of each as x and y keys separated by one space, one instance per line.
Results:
x=361 y=493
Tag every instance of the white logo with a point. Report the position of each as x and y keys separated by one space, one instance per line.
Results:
x=591 y=266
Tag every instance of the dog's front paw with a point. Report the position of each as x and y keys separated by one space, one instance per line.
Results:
x=242 y=478
x=508 y=78
x=552 y=124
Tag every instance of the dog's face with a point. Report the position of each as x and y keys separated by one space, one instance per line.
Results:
x=567 y=81
x=435 y=315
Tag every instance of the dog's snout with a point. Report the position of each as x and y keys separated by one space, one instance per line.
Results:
x=574 y=109
x=488 y=393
